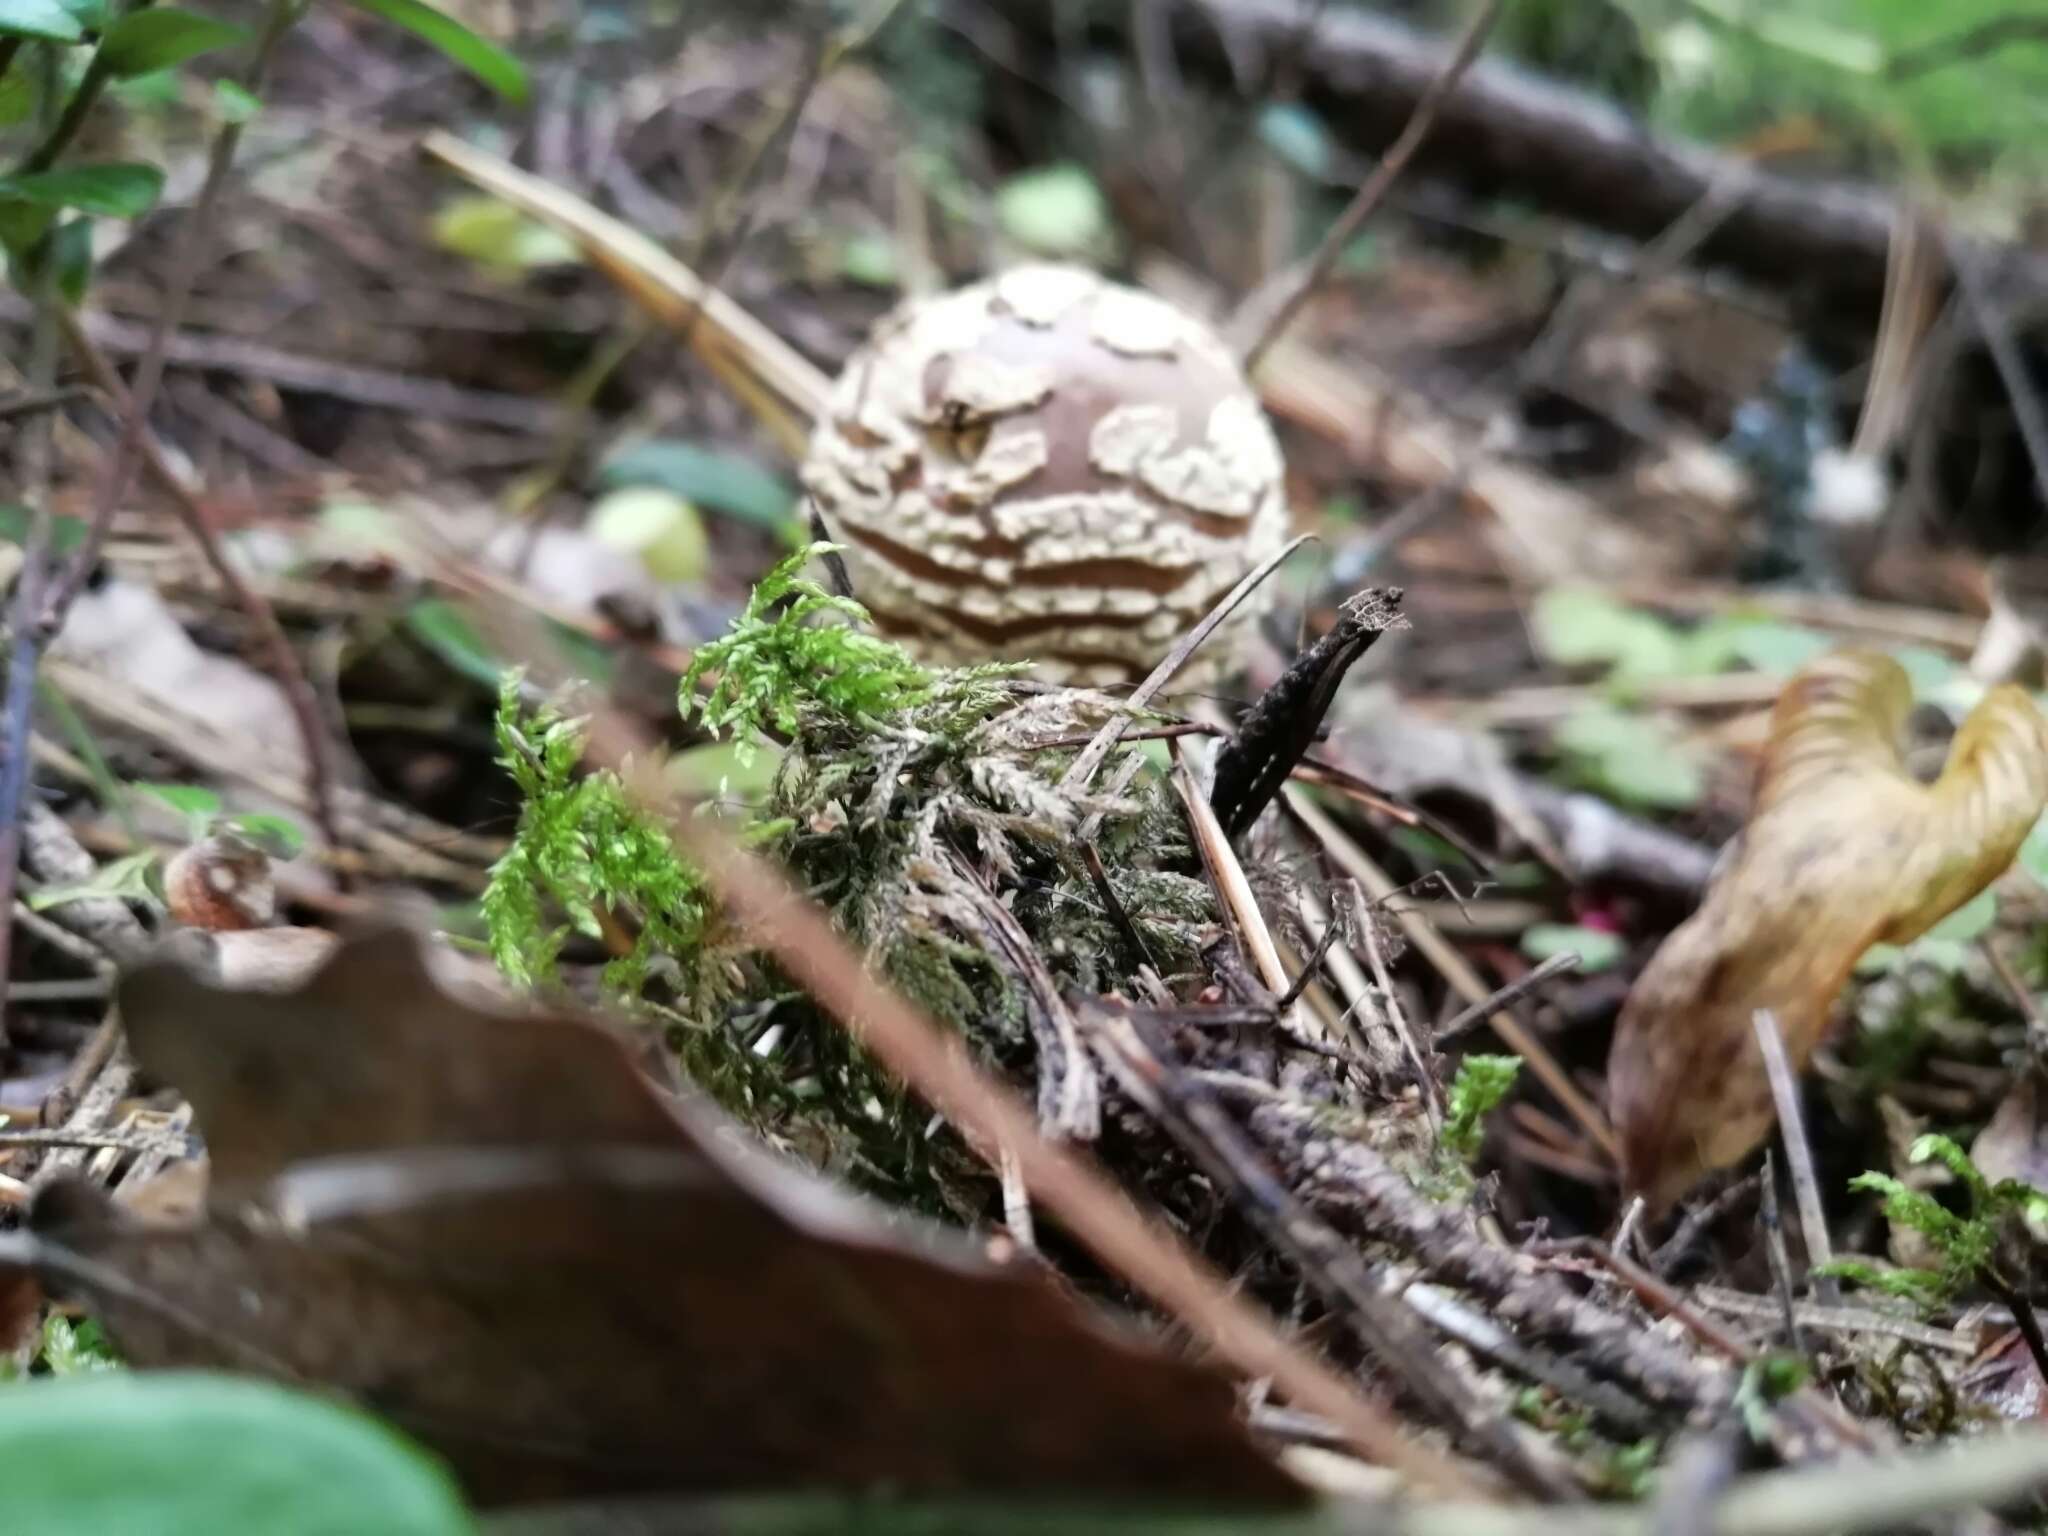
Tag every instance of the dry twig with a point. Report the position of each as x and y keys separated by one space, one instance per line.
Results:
x=1374 y=190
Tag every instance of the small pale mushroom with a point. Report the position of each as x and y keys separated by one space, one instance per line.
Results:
x=1048 y=466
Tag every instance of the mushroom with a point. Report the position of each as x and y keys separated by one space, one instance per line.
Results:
x=1045 y=466
x=1051 y=467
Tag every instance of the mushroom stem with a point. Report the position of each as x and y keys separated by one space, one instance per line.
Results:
x=767 y=375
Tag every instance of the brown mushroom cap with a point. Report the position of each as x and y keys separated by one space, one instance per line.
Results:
x=1047 y=466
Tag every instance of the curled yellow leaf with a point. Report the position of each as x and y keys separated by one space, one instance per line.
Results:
x=1844 y=849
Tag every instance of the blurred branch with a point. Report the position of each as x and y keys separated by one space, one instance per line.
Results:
x=1563 y=150
x=1971 y=42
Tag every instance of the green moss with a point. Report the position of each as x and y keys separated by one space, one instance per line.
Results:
x=899 y=792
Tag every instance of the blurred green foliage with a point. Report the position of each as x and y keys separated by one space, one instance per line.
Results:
x=1873 y=76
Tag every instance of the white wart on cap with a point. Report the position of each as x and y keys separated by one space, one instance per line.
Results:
x=1049 y=467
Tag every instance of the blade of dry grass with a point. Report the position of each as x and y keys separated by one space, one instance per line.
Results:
x=782 y=387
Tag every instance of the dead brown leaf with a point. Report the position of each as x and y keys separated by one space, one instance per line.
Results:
x=1844 y=849
x=493 y=1230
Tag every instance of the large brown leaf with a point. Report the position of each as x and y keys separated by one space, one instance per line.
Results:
x=493 y=1230
x=1844 y=849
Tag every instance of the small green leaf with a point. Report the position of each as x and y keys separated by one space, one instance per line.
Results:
x=126 y=879
x=1632 y=757
x=66 y=533
x=445 y=630
x=21 y=226
x=162 y=37
x=278 y=836
x=1778 y=649
x=870 y=260
x=1597 y=949
x=658 y=526
x=186 y=799
x=496 y=235
x=1298 y=138
x=71 y=248
x=234 y=103
x=17 y=97
x=712 y=478
x=45 y=21
x=1055 y=211
x=1582 y=626
x=118 y=190
x=185 y=1454
x=486 y=60
x=1482 y=1082
x=76 y=1350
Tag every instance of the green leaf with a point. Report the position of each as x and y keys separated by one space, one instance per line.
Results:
x=1597 y=949
x=234 y=103
x=655 y=524
x=66 y=533
x=1582 y=626
x=116 y=190
x=125 y=879
x=710 y=477
x=486 y=60
x=45 y=21
x=1632 y=758
x=1778 y=649
x=870 y=260
x=79 y=1350
x=17 y=97
x=21 y=226
x=183 y=1454
x=186 y=799
x=1482 y=1082
x=162 y=37
x=1298 y=138
x=1056 y=211
x=71 y=248
x=496 y=235
x=445 y=630
x=278 y=836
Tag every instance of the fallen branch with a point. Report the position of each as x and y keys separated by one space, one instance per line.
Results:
x=1505 y=129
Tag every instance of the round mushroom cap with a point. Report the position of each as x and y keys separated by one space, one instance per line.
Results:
x=1051 y=467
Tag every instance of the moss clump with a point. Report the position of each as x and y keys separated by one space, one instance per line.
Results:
x=920 y=807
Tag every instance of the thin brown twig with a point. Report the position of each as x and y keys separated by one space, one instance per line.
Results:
x=2005 y=357
x=1506 y=997
x=1454 y=969
x=194 y=239
x=33 y=402
x=2023 y=999
x=1813 y=1221
x=290 y=672
x=1373 y=191
x=1425 y=1080
x=1366 y=1295
x=1082 y=769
